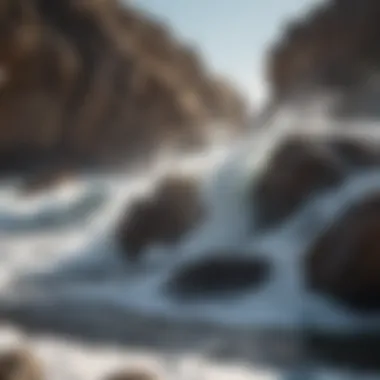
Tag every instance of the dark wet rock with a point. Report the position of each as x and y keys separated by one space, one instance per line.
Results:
x=344 y=262
x=352 y=351
x=356 y=153
x=297 y=170
x=133 y=374
x=165 y=217
x=138 y=228
x=19 y=365
x=218 y=275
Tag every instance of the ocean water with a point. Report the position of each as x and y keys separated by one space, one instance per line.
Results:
x=66 y=290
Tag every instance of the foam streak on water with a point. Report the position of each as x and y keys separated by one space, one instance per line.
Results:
x=67 y=238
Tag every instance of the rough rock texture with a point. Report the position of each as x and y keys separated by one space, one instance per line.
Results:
x=297 y=170
x=218 y=275
x=19 y=365
x=165 y=217
x=95 y=81
x=344 y=262
x=334 y=45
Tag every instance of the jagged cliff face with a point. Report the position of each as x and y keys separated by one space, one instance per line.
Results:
x=93 y=80
x=335 y=45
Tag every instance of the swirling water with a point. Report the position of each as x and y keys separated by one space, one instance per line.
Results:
x=61 y=269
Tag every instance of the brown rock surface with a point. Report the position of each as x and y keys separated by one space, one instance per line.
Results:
x=334 y=45
x=164 y=217
x=133 y=374
x=297 y=170
x=344 y=262
x=19 y=365
x=98 y=81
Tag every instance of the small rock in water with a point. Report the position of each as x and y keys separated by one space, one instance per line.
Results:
x=218 y=275
x=133 y=374
x=19 y=364
x=344 y=262
x=297 y=170
x=172 y=210
x=45 y=180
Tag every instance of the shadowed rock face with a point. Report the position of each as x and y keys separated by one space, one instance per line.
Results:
x=96 y=82
x=165 y=217
x=218 y=275
x=335 y=45
x=344 y=262
x=297 y=170
x=301 y=168
x=352 y=351
x=356 y=153
x=19 y=365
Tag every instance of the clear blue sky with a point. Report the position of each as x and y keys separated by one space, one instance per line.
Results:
x=232 y=34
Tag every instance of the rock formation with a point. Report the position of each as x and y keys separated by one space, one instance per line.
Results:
x=19 y=364
x=303 y=166
x=355 y=153
x=98 y=82
x=45 y=180
x=218 y=274
x=344 y=262
x=297 y=170
x=163 y=217
x=134 y=374
x=334 y=46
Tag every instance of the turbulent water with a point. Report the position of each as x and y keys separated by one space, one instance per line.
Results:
x=63 y=277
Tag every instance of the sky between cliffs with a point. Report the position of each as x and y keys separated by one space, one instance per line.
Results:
x=232 y=34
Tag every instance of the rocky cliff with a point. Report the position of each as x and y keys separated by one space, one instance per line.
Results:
x=97 y=81
x=334 y=46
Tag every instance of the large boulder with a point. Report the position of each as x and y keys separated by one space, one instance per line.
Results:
x=164 y=217
x=297 y=170
x=344 y=262
x=218 y=274
x=356 y=153
x=19 y=364
x=99 y=82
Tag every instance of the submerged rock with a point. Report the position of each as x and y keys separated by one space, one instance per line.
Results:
x=165 y=217
x=344 y=262
x=217 y=275
x=297 y=170
x=133 y=374
x=45 y=180
x=354 y=351
x=19 y=365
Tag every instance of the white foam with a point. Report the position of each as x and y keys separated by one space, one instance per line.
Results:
x=85 y=267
